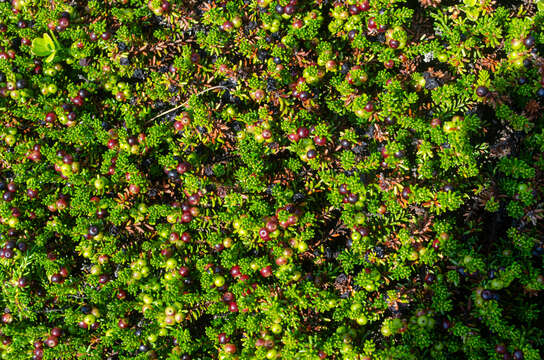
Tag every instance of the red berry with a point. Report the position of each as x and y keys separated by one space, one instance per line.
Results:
x=178 y=125
x=52 y=341
x=77 y=100
x=365 y=6
x=371 y=25
x=320 y=140
x=233 y=307
x=235 y=271
x=56 y=332
x=266 y=271
x=271 y=226
x=122 y=323
x=227 y=26
x=293 y=137
x=185 y=237
x=264 y=234
x=184 y=271
x=64 y=22
x=303 y=132
x=182 y=168
x=230 y=348
x=121 y=294
x=223 y=338
x=50 y=117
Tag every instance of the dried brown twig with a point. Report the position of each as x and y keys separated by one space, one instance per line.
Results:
x=186 y=102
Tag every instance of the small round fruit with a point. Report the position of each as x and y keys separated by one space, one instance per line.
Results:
x=362 y=320
x=386 y=330
x=219 y=280
x=266 y=271
x=481 y=91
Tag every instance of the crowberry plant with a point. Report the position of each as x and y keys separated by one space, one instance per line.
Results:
x=271 y=179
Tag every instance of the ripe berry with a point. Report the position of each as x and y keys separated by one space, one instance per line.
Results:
x=500 y=349
x=481 y=91
x=181 y=168
x=230 y=348
x=293 y=137
x=12 y=187
x=57 y=332
x=77 y=100
x=227 y=26
x=185 y=237
x=121 y=294
x=50 y=117
x=64 y=22
x=228 y=297
x=271 y=225
x=223 y=338
x=93 y=230
x=487 y=295
x=52 y=341
x=345 y=144
x=320 y=140
x=371 y=25
x=263 y=233
x=235 y=271
x=22 y=282
x=20 y=83
x=303 y=132
x=354 y=9
x=233 y=307
x=406 y=192
x=266 y=271
x=122 y=323
x=448 y=188
x=529 y=41
x=289 y=9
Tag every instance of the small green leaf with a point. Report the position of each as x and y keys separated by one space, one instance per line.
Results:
x=473 y=13
x=43 y=46
x=39 y=47
x=49 y=41
x=51 y=57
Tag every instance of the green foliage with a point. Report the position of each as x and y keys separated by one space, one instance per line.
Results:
x=271 y=179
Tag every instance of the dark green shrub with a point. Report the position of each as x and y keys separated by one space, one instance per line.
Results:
x=271 y=179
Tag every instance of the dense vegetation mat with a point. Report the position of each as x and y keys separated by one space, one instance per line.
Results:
x=271 y=179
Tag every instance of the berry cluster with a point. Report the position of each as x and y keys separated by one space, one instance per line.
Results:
x=271 y=179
